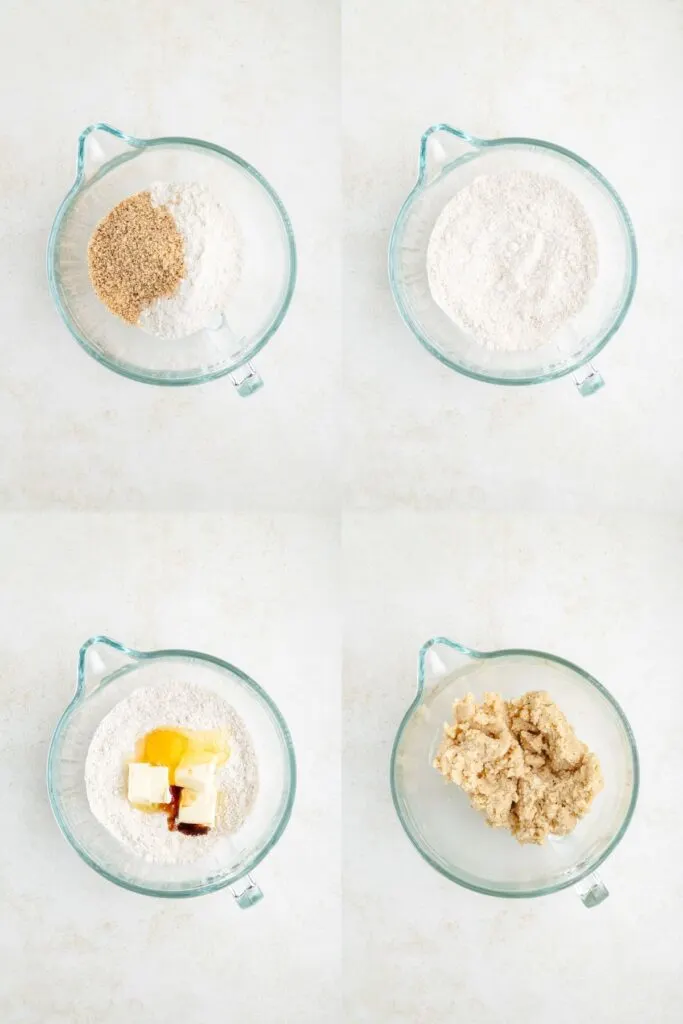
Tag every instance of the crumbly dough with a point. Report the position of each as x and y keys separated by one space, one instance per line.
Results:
x=520 y=763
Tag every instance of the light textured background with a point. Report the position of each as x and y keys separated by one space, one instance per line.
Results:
x=258 y=591
x=602 y=77
x=584 y=573
x=261 y=79
x=605 y=592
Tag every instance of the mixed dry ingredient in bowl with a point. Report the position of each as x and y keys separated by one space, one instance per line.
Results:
x=167 y=259
x=520 y=763
x=512 y=258
x=181 y=706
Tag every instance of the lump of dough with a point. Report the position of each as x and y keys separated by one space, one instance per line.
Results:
x=521 y=764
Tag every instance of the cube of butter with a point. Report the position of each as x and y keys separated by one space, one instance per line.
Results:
x=148 y=784
x=197 y=777
x=198 y=808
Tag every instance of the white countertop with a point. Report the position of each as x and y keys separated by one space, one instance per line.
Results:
x=191 y=517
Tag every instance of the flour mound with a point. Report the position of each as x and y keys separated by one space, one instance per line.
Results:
x=213 y=262
x=512 y=257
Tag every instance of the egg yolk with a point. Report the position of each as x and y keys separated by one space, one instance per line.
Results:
x=170 y=747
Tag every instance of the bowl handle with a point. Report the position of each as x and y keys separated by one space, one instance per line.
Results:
x=588 y=380
x=440 y=145
x=592 y=890
x=246 y=380
x=98 y=658
x=247 y=895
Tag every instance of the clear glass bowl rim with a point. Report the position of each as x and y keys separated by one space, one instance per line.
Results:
x=479 y=144
x=79 y=696
x=515 y=652
x=65 y=205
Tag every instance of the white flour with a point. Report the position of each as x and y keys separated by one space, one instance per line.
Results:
x=213 y=262
x=512 y=258
x=113 y=744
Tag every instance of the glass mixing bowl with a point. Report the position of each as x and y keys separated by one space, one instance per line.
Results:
x=437 y=815
x=444 y=170
x=112 y=166
x=108 y=672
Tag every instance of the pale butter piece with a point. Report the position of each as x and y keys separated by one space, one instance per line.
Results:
x=197 y=777
x=148 y=784
x=198 y=808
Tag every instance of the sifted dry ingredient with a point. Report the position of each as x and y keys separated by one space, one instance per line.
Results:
x=135 y=255
x=521 y=764
x=512 y=258
x=213 y=261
